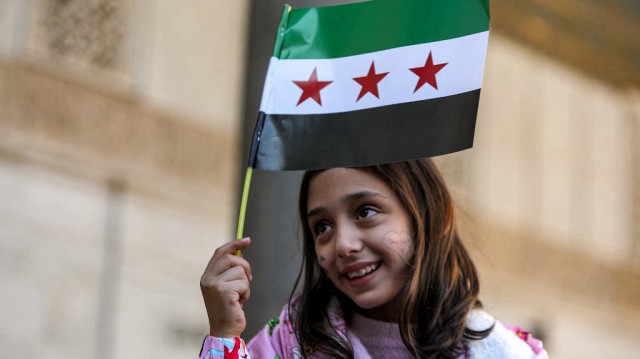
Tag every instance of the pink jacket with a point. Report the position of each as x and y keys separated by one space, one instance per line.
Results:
x=277 y=341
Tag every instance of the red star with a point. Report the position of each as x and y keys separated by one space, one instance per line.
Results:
x=369 y=83
x=311 y=88
x=427 y=73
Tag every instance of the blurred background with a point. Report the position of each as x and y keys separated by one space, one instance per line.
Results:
x=123 y=138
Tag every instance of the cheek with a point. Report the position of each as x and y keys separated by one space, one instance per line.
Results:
x=324 y=257
x=399 y=242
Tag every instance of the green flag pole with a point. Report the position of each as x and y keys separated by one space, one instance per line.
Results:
x=247 y=178
x=258 y=132
x=243 y=201
x=243 y=204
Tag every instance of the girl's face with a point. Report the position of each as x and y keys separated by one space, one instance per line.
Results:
x=362 y=236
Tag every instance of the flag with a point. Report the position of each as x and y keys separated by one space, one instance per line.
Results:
x=372 y=82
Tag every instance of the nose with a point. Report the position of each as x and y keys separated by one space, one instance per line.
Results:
x=348 y=240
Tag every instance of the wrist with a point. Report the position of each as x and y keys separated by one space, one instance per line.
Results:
x=223 y=334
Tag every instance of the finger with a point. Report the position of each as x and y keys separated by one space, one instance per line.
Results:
x=224 y=264
x=233 y=292
x=227 y=262
x=228 y=248
x=232 y=274
x=242 y=287
x=218 y=283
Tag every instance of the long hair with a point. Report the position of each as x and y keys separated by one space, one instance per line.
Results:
x=442 y=286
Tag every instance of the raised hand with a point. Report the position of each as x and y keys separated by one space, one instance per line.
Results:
x=225 y=286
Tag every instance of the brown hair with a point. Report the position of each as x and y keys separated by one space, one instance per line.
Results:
x=442 y=286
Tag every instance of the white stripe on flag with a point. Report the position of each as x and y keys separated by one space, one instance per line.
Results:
x=465 y=58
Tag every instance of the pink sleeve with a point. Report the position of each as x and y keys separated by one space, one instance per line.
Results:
x=534 y=344
x=224 y=348
x=276 y=340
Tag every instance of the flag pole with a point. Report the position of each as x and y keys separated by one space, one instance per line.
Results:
x=247 y=177
x=257 y=132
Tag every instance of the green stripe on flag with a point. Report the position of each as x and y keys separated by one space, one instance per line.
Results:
x=346 y=30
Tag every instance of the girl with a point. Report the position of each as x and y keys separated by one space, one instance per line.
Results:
x=385 y=276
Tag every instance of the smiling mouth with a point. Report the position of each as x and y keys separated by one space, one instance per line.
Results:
x=364 y=271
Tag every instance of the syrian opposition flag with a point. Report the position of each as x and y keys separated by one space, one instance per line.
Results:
x=372 y=82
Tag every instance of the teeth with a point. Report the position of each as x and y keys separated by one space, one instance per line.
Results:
x=363 y=271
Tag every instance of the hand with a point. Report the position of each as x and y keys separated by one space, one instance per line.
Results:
x=225 y=286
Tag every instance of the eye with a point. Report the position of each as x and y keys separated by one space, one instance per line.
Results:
x=366 y=212
x=320 y=228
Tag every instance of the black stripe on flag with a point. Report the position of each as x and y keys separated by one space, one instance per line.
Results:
x=378 y=135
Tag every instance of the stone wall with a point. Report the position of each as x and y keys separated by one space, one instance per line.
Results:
x=109 y=212
x=548 y=201
x=118 y=172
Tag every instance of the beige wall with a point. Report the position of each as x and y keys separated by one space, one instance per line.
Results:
x=555 y=153
x=198 y=69
x=549 y=203
x=117 y=179
x=185 y=59
x=84 y=272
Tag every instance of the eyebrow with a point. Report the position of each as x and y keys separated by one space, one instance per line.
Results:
x=358 y=195
x=347 y=198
